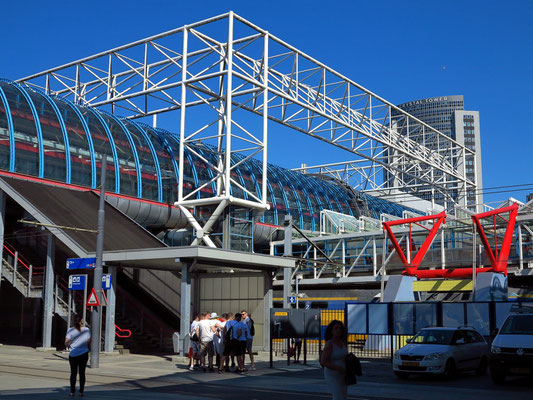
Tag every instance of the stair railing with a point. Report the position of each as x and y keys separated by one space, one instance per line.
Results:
x=144 y=317
x=118 y=329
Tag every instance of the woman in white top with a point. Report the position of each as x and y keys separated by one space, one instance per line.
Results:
x=77 y=341
x=333 y=359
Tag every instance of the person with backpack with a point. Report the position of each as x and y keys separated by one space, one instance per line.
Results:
x=247 y=319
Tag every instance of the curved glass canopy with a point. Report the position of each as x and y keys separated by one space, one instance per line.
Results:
x=51 y=138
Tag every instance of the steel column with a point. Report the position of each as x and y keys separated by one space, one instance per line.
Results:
x=48 y=293
x=267 y=305
x=287 y=252
x=109 y=345
x=185 y=306
x=96 y=314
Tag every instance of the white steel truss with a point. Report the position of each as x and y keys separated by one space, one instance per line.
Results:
x=211 y=74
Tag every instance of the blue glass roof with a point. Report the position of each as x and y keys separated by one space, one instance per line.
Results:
x=55 y=139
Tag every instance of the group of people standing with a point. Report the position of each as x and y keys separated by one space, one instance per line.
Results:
x=226 y=336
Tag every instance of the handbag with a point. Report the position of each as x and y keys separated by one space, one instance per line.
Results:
x=353 y=368
x=195 y=337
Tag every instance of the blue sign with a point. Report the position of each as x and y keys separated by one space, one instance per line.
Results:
x=292 y=299
x=80 y=263
x=106 y=281
x=307 y=305
x=77 y=282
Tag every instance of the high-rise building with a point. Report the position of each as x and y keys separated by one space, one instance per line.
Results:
x=447 y=115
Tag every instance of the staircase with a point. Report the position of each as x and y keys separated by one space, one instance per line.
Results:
x=29 y=281
x=146 y=333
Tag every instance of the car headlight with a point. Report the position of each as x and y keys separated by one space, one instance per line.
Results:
x=496 y=349
x=433 y=356
x=396 y=356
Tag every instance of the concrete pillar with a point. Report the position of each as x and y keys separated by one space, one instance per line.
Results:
x=267 y=301
x=287 y=252
x=109 y=345
x=48 y=293
x=185 y=309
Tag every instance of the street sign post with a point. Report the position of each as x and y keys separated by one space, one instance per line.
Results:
x=81 y=263
x=292 y=299
x=76 y=282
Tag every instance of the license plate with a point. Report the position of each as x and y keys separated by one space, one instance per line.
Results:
x=520 y=370
x=410 y=364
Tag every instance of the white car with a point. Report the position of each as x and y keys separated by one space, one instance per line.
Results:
x=512 y=348
x=438 y=350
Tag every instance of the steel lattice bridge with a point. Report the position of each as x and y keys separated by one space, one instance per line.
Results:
x=212 y=74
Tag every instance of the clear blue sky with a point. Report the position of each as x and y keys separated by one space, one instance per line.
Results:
x=395 y=49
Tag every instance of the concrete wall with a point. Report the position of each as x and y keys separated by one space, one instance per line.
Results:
x=222 y=294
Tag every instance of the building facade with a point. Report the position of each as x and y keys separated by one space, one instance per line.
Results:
x=447 y=114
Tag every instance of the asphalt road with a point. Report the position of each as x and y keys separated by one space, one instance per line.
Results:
x=26 y=373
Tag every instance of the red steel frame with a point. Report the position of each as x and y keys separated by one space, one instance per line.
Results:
x=411 y=266
x=498 y=258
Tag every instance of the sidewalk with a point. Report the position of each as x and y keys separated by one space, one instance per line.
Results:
x=26 y=372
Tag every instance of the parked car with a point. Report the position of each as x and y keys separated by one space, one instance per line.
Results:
x=444 y=351
x=512 y=348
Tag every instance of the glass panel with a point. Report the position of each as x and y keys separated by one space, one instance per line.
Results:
x=502 y=311
x=277 y=188
x=426 y=315
x=304 y=200
x=453 y=315
x=203 y=170
x=169 y=174
x=378 y=319
x=5 y=147
x=478 y=317
x=101 y=146
x=190 y=173
x=356 y=318
x=126 y=159
x=404 y=319
x=146 y=161
x=80 y=153
x=53 y=141
x=26 y=142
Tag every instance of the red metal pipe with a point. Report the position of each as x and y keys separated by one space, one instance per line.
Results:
x=449 y=273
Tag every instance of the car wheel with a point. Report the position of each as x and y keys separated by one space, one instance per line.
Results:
x=449 y=369
x=498 y=376
x=401 y=375
x=482 y=369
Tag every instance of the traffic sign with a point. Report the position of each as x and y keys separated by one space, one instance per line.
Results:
x=77 y=282
x=307 y=305
x=292 y=299
x=106 y=281
x=80 y=263
x=92 y=300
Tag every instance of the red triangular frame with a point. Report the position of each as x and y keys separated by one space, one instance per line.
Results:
x=498 y=260
x=412 y=266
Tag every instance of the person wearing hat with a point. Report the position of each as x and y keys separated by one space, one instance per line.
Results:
x=206 y=329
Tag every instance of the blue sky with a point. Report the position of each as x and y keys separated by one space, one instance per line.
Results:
x=395 y=49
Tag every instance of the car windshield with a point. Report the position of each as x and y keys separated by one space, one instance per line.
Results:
x=433 y=336
x=518 y=325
